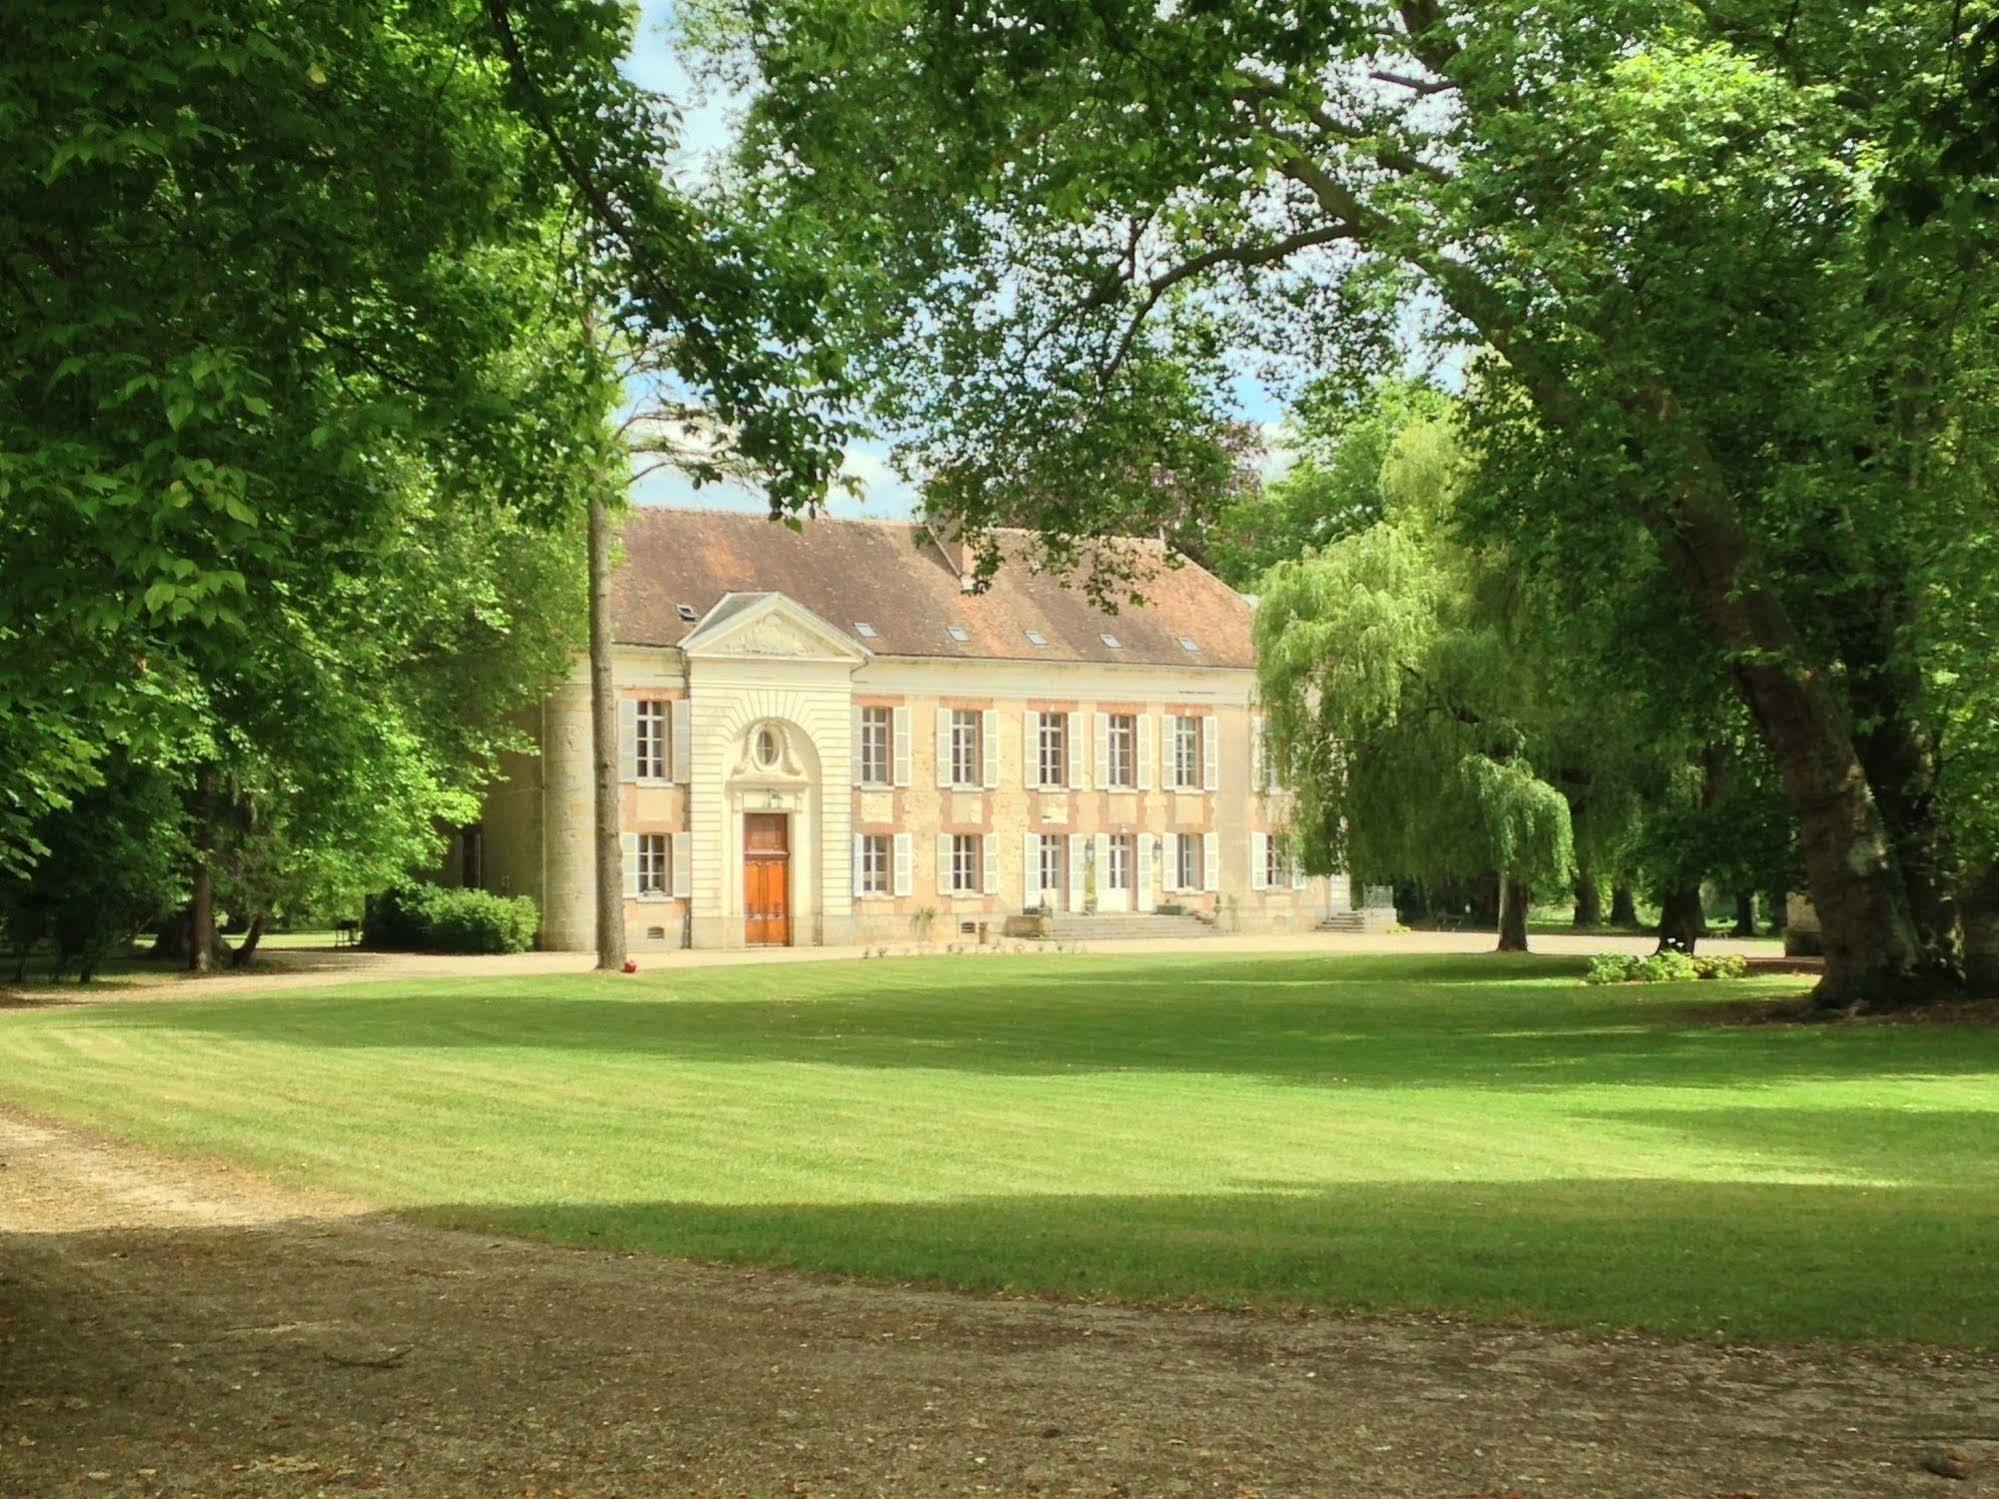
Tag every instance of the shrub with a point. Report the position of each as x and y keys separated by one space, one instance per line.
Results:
x=425 y=918
x=1663 y=968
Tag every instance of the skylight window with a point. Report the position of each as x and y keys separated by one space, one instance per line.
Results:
x=1035 y=637
x=958 y=633
x=687 y=612
x=1188 y=643
x=1112 y=641
x=863 y=629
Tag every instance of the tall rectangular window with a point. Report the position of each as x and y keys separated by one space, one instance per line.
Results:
x=1054 y=749
x=1123 y=749
x=1187 y=752
x=655 y=865
x=877 y=746
x=967 y=766
x=1187 y=861
x=1119 y=875
x=652 y=720
x=1054 y=868
x=1276 y=861
x=876 y=854
x=965 y=863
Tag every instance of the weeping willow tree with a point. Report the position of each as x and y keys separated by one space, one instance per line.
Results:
x=1410 y=717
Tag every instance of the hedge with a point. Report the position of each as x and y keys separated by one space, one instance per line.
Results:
x=417 y=917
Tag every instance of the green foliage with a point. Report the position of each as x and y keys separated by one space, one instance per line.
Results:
x=422 y=917
x=1664 y=968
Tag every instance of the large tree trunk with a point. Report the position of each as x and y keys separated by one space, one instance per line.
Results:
x=1589 y=900
x=247 y=948
x=1515 y=897
x=1981 y=933
x=1623 y=906
x=1745 y=913
x=604 y=748
x=1682 y=922
x=201 y=907
x=1872 y=955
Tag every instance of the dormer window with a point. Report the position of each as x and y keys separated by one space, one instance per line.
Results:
x=686 y=612
x=863 y=629
x=958 y=633
x=1035 y=637
x=1188 y=644
x=1112 y=641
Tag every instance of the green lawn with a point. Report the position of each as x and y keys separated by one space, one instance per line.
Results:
x=1481 y=1135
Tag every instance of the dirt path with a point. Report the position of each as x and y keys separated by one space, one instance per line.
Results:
x=167 y=1328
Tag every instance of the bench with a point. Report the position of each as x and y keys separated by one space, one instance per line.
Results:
x=346 y=934
x=1451 y=921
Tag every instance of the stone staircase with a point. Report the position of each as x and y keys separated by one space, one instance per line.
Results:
x=1368 y=919
x=1125 y=927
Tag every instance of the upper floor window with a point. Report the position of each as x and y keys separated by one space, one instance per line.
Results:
x=652 y=750
x=1052 y=754
x=877 y=746
x=967 y=757
x=1123 y=761
x=1187 y=753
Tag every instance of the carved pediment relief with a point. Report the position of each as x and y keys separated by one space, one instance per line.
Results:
x=771 y=626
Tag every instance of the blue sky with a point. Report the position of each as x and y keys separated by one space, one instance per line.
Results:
x=706 y=130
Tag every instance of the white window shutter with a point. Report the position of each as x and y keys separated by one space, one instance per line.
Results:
x=989 y=864
x=943 y=746
x=1103 y=867
x=1030 y=870
x=628 y=739
x=682 y=748
x=1211 y=778
x=1103 y=742
x=1142 y=731
x=1077 y=843
x=628 y=848
x=1030 y=751
x=860 y=847
x=1259 y=861
x=943 y=863
x=858 y=777
x=1259 y=755
x=989 y=746
x=1077 y=753
x=902 y=863
x=899 y=728
x=681 y=846
x=1144 y=893
x=1297 y=869
x=1211 y=862
x=1169 y=739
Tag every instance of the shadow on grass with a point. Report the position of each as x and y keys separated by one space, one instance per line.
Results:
x=1754 y=1262
x=1354 y=1023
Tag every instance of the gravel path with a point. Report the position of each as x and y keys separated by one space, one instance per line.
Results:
x=176 y=1328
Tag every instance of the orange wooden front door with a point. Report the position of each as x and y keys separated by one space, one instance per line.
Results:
x=766 y=880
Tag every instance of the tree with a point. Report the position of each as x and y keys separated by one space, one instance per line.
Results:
x=1406 y=712
x=300 y=422
x=1725 y=266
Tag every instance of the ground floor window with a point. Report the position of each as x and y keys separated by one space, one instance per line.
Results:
x=965 y=863
x=654 y=864
x=1119 y=875
x=1187 y=857
x=1054 y=869
x=1276 y=861
x=876 y=874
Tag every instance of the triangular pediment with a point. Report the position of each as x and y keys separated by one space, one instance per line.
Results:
x=770 y=625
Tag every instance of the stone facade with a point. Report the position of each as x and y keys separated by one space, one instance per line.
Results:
x=761 y=707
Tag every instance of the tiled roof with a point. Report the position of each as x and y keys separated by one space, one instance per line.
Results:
x=893 y=577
